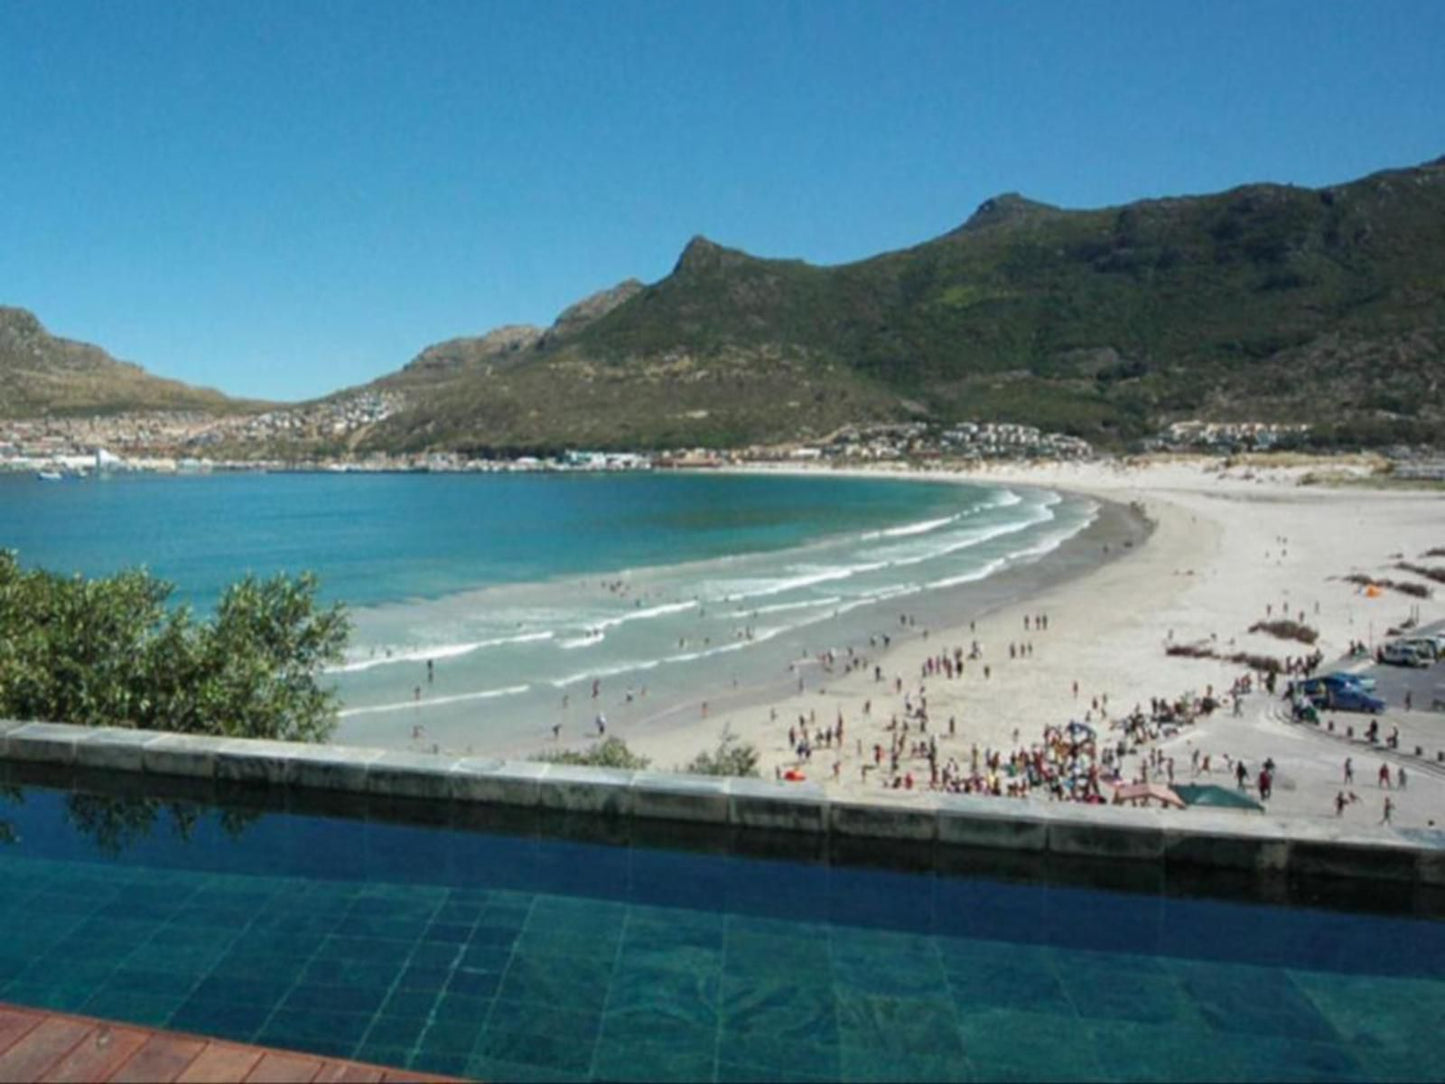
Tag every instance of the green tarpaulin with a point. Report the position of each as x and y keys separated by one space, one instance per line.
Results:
x=1220 y=797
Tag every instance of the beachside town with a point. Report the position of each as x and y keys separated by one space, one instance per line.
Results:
x=318 y=436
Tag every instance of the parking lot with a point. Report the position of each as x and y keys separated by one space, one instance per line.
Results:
x=1424 y=685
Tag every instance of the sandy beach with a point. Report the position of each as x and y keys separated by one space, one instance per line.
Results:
x=1229 y=548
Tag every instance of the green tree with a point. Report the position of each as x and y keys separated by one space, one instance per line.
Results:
x=731 y=757
x=109 y=651
x=609 y=753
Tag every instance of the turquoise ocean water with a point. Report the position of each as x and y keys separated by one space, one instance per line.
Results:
x=524 y=590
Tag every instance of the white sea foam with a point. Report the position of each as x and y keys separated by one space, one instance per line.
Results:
x=644 y=615
x=593 y=637
x=784 y=607
x=922 y=527
x=433 y=652
x=435 y=701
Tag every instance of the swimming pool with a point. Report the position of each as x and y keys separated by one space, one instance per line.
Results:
x=529 y=953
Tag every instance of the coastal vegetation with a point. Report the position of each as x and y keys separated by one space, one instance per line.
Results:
x=730 y=757
x=607 y=753
x=1415 y=590
x=1287 y=630
x=111 y=651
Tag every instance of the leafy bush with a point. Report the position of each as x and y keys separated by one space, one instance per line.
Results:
x=109 y=652
x=608 y=753
x=1287 y=630
x=731 y=757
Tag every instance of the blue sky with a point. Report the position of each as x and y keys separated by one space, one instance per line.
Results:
x=283 y=198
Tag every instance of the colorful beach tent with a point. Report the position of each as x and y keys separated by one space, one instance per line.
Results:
x=1210 y=796
x=1133 y=792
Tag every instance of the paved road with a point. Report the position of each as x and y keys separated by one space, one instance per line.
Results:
x=1392 y=682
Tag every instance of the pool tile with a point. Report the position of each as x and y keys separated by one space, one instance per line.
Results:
x=448 y=933
x=569 y=982
x=871 y=1065
x=261 y=966
x=462 y=1008
x=396 y=1031
x=778 y=1057
x=643 y=1061
x=38 y=995
x=733 y=1072
x=580 y=915
x=440 y=1062
x=450 y=1037
x=1120 y=986
x=1375 y=1012
x=483 y=984
x=569 y=1053
x=353 y=998
x=394 y=1057
x=370 y=949
x=1245 y=1000
x=659 y=1025
x=1290 y=1060
x=145 y=981
x=898 y=1026
x=689 y=996
x=779 y=1007
x=430 y=979
x=485 y=957
x=290 y=1028
x=511 y=1072
x=387 y=928
x=886 y=963
x=1005 y=1044
x=997 y=974
x=241 y=991
x=344 y=972
x=227 y=1019
x=560 y=941
x=1128 y=1051
x=750 y=952
x=674 y=939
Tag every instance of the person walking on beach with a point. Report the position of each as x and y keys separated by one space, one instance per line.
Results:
x=1385 y=776
x=1340 y=803
x=1389 y=809
x=1349 y=770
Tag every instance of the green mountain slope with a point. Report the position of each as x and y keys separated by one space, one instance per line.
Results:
x=1262 y=303
x=43 y=374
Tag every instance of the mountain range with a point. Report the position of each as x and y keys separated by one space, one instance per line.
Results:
x=1266 y=302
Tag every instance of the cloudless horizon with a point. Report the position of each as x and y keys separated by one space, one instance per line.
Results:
x=281 y=199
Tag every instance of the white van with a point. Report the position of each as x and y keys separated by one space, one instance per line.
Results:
x=1427 y=646
x=1397 y=653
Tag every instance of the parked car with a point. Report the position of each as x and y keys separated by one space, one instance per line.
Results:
x=1359 y=681
x=1338 y=694
x=1397 y=653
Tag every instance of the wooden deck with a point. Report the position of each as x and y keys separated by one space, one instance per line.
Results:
x=37 y=1045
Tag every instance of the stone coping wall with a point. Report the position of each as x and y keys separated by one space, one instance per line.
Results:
x=1219 y=839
